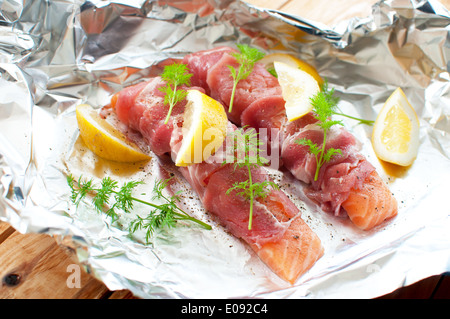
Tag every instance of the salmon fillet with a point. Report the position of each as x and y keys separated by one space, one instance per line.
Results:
x=290 y=254
x=281 y=239
x=296 y=252
x=372 y=204
x=348 y=184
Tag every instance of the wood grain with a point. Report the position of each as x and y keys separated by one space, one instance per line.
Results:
x=37 y=266
x=41 y=270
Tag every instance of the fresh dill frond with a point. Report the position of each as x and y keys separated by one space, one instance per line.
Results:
x=124 y=198
x=246 y=151
x=175 y=75
x=247 y=57
x=325 y=104
x=328 y=94
x=323 y=108
x=156 y=219
x=272 y=71
x=246 y=154
x=104 y=193
x=109 y=194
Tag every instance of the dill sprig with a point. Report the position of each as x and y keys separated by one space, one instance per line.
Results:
x=246 y=154
x=247 y=58
x=174 y=75
x=324 y=105
x=334 y=100
x=109 y=197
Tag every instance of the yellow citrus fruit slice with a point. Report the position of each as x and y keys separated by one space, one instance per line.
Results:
x=297 y=87
x=104 y=140
x=269 y=59
x=395 y=135
x=204 y=128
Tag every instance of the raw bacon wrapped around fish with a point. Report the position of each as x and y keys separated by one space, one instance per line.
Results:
x=279 y=236
x=348 y=184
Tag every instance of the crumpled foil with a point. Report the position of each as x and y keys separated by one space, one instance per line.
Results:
x=57 y=54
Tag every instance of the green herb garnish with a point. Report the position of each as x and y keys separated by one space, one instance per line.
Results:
x=246 y=154
x=334 y=100
x=247 y=58
x=272 y=71
x=174 y=75
x=109 y=194
x=324 y=105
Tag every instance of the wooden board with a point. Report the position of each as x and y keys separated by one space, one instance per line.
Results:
x=37 y=266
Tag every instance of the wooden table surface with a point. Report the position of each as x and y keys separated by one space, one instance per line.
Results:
x=38 y=266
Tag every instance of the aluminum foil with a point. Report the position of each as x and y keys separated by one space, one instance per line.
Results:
x=57 y=54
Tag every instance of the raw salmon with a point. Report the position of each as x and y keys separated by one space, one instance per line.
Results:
x=288 y=253
x=297 y=251
x=281 y=239
x=294 y=254
x=258 y=104
x=371 y=204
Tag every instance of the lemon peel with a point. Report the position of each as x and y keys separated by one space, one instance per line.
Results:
x=104 y=140
x=395 y=135
x=204 y=128
x=298 y=87
x=291 y=60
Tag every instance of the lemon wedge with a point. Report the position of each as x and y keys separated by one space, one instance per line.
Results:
x=395 y=135
x=204 y=128
x=269 y=59
x=103 y=139
x=297 y=88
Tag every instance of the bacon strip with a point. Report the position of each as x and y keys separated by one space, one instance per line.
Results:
x=276 y=220
x=258 y=103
